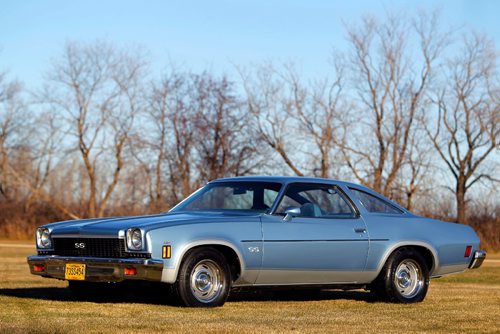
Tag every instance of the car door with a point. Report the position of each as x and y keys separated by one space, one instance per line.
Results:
x=326 y=242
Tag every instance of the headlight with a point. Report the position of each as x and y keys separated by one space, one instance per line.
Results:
x=134 y=239
x=43 y=238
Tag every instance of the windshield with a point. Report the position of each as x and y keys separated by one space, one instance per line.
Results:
x=232 y=196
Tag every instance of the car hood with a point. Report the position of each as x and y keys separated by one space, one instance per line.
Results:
x=113 y=226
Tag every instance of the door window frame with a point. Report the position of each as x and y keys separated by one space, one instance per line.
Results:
x=340 y=191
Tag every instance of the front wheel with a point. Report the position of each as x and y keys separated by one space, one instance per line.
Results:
x=204 y=279
x=404 y=278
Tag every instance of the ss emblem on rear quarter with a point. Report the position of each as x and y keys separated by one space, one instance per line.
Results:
x=253 y=249
x=79 y=245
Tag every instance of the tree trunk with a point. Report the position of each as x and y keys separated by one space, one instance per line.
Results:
x=461 y=203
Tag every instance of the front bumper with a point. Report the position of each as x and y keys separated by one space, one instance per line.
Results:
x=97 y=269
x=477 y=259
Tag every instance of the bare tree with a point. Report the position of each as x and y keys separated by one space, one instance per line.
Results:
x=11 y=121
x=391 y=82
x=318 y=111
x=95 y=86
x=165 y=150
x=223 y=139
x=467 y=126
x=270 y=105
x=297 y=121
x=414 y=179
x=181 y=148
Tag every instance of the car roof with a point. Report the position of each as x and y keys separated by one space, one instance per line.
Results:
x=288 y=179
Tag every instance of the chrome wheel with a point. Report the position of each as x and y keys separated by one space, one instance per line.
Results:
x=408 y=278
x=207 y=281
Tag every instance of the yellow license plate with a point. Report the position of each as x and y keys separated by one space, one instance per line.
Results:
x=75 y=271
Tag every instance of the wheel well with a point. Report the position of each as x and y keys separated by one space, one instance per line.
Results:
x=230 y=256
x=426 y=254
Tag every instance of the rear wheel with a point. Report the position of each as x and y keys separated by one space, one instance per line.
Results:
x=204 y=279
x=404 y=278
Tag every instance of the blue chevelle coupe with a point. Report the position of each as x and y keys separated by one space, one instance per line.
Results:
x=262 y=231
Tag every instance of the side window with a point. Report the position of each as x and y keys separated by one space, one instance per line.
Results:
x=286 y=202
x=316 y=200
x=224 y=198
x=269 y=197
x=239 y=199
x=374 y=204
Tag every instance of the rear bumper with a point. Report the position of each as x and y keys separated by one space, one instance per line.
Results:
x=477 y=259
x=97 y=269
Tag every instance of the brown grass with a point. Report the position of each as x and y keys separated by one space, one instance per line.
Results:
x=465 y=303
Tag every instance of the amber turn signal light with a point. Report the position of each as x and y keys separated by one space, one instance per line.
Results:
x=166 y=252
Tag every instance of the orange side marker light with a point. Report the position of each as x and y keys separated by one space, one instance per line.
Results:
x=166 y=252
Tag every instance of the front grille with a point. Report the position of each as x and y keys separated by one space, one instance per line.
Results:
x=91 y=247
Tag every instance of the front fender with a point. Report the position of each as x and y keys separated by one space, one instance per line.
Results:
x=231 y=234
x=170 y=273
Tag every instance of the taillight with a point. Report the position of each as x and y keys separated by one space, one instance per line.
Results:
x=39 y=267
x=468 y=250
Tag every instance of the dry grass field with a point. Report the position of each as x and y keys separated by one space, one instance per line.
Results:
x=465 y=303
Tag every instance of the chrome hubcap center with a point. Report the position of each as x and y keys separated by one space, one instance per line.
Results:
x=203 y=282
x=404 y=279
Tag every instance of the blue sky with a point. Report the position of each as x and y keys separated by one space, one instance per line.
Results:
x=206 y=34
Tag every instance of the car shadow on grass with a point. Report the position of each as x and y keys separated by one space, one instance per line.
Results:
x=301 y=295
x=111 y=293
x=160 y=294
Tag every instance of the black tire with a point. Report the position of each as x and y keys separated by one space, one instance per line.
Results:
x=404 y=278
x=204 y=279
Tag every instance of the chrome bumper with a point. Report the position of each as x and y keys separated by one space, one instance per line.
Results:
x=97 y=269
x=477 y=259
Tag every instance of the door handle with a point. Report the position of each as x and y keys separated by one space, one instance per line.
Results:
x=360 y=230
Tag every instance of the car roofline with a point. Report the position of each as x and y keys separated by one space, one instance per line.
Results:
x=283 y=179
x=303 y=179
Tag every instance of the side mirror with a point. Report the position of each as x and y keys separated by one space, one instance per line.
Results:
x=290 y=212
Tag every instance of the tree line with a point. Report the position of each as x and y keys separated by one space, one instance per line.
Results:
x=407 y=109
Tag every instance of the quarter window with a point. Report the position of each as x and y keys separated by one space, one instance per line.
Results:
x=374 y=204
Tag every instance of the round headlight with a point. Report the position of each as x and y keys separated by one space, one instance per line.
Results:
x=136 y=239
x=44 y=240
